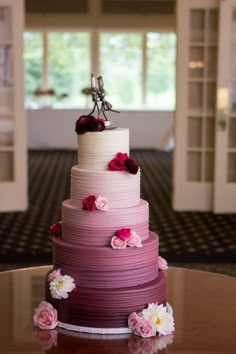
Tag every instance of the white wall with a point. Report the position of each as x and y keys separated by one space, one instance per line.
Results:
x=54 y=128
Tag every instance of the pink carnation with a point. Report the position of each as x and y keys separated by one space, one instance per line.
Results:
x=134 y=240
x=45 y=316
x=102 y=203
x=54 y=274
x=162 y=263
x=123 y=234
x=117 y=243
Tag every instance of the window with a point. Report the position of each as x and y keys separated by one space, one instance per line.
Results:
x=138 y=69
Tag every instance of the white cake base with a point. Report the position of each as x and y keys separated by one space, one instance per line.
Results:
x=94 y=330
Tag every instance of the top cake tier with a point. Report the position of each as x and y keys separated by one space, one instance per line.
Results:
x=97 y=149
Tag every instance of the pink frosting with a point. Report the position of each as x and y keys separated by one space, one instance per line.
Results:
x=96 y=228
x=105 y=267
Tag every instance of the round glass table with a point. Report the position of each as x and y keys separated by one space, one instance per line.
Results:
x=204 y=307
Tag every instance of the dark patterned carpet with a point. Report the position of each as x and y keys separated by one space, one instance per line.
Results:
x=184 y=236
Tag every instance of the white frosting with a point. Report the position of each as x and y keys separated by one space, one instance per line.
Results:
x=93 y=329
x=97 y=149
x=121 y=188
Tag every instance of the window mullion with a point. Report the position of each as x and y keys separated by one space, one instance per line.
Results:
x=45 y=73
x=144 y=68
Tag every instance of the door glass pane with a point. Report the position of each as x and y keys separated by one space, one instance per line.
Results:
x=212 y=25
x=196 y=61
x=232 y=97
x=195 y=96
x=232 y=133
x=197 y=24
x=211 y=96
x=231 y=175
x=6 y=166
x=209 y=166
x=194 y=132
x=6 y=132
x=210 y=132
x=211 y=62
x=5 y=21
x=194 y=166
x=121 y=67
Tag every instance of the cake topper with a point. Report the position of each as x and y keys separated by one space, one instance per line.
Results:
x=98 y=96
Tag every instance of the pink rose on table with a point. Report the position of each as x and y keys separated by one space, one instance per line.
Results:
x=56 y=229
x=117 y=164
x=162 y=263
x=46 y=338
x=102 y=203
x=45 y=316
x=131 y=166
x=89 y=203
x=123 y=234
x=117 y=243
x=146 y=329
x=134 y=321
x=134 y=240
x=54 y=274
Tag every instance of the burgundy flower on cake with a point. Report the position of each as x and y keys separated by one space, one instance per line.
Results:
x=56 y=229
x=92 y=202
x=124 y=238
x=122 y=162
x=45 y=316
x=88 y=123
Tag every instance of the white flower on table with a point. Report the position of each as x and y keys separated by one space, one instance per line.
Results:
x=161 y=316
x=60 y=286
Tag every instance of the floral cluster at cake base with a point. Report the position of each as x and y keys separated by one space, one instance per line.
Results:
x=155 y=319
x=124 y=238
x=122 y=162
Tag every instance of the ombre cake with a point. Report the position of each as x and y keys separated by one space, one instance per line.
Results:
x=110 y=280
x=107 y=276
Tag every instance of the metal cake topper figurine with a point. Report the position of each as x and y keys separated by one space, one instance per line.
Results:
x=98 y=96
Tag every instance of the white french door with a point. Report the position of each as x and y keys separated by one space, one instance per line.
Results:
x=197 y=41
x=225 y=148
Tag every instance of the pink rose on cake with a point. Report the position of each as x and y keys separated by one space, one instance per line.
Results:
x=162 y=263
x=55 y=273
x=102 y=203
x=122 y=162
x=125 y=237
x=45 y=316
x=92 y=203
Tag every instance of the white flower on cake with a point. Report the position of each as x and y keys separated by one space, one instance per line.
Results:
x=60 y=286
x=160 y=316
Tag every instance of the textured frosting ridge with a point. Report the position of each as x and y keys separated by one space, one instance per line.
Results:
x=121 y=188
x=97 y=149
x=96 y=228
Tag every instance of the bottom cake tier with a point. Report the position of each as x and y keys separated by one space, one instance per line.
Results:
x=95 y=310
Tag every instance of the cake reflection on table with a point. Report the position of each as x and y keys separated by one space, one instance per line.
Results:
x=59 y=341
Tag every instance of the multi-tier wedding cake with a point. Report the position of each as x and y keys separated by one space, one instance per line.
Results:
x=107 y=275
